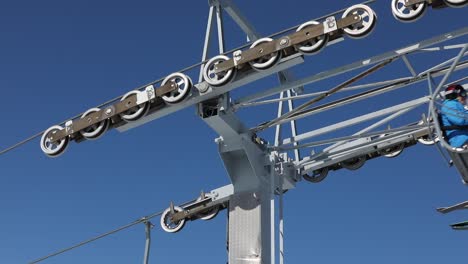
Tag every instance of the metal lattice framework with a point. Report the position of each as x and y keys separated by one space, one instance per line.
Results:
x=260 y=173
x=348 y=152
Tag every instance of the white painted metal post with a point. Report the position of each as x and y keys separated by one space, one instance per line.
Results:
x=281 y=224
x=219 y=20
x=452 y=67
x=148 y=227
x=252 y=177
x=206 y=46
x=278 y=127
x=297 y=155
x=272 y=218
x=283 y=79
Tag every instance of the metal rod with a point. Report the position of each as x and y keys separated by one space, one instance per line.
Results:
x=356 y=65
x=448 y=209
x=369 y=128
x=432 y=107
x=430 y=83
x=459 y=80
x=441 y=48
x=272 y=223
x=333 y=140
x=439 y=65
x=364 y=95
x=236 y=15
x=281 y=223
x=278 y=127
x=148 y=227
x=408 y=64
x=206 y=45
x=306 y=165
x=356 y=120
x=348 y=100
x=321 y=97
x=297 y=155
x=219 y=20
x=303 y=96
x=283 y=78
x=452 y=67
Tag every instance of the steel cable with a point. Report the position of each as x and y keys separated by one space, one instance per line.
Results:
x=136 y=222
x=159 y=80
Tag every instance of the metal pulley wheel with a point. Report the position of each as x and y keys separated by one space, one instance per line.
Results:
x=220 y=78
x=209 y=213
x=456 y=3
x=407 y=13
x=427 y=139
x=314 y=45
x=135 y=112
x=166 y=223
x=393 y=151
x=97 y=130
x=53 y=149
x=354 y=163
x=317 y=175
x=267 y=61
x=184 y=84
x=365 y=26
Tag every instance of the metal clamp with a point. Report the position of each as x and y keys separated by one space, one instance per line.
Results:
x=69 y=126
x=146 y=95
x=330 y=25
x=237 y=56
x=150 y=92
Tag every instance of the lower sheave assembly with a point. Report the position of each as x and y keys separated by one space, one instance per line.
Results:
x=205 y=207
x=309 y=38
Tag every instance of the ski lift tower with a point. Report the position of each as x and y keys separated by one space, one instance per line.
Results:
x=260 y=172
x=251 y=169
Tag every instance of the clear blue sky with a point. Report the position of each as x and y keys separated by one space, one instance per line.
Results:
x=59 y=58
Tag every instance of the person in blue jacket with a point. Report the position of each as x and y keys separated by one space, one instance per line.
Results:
x=455 y=116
